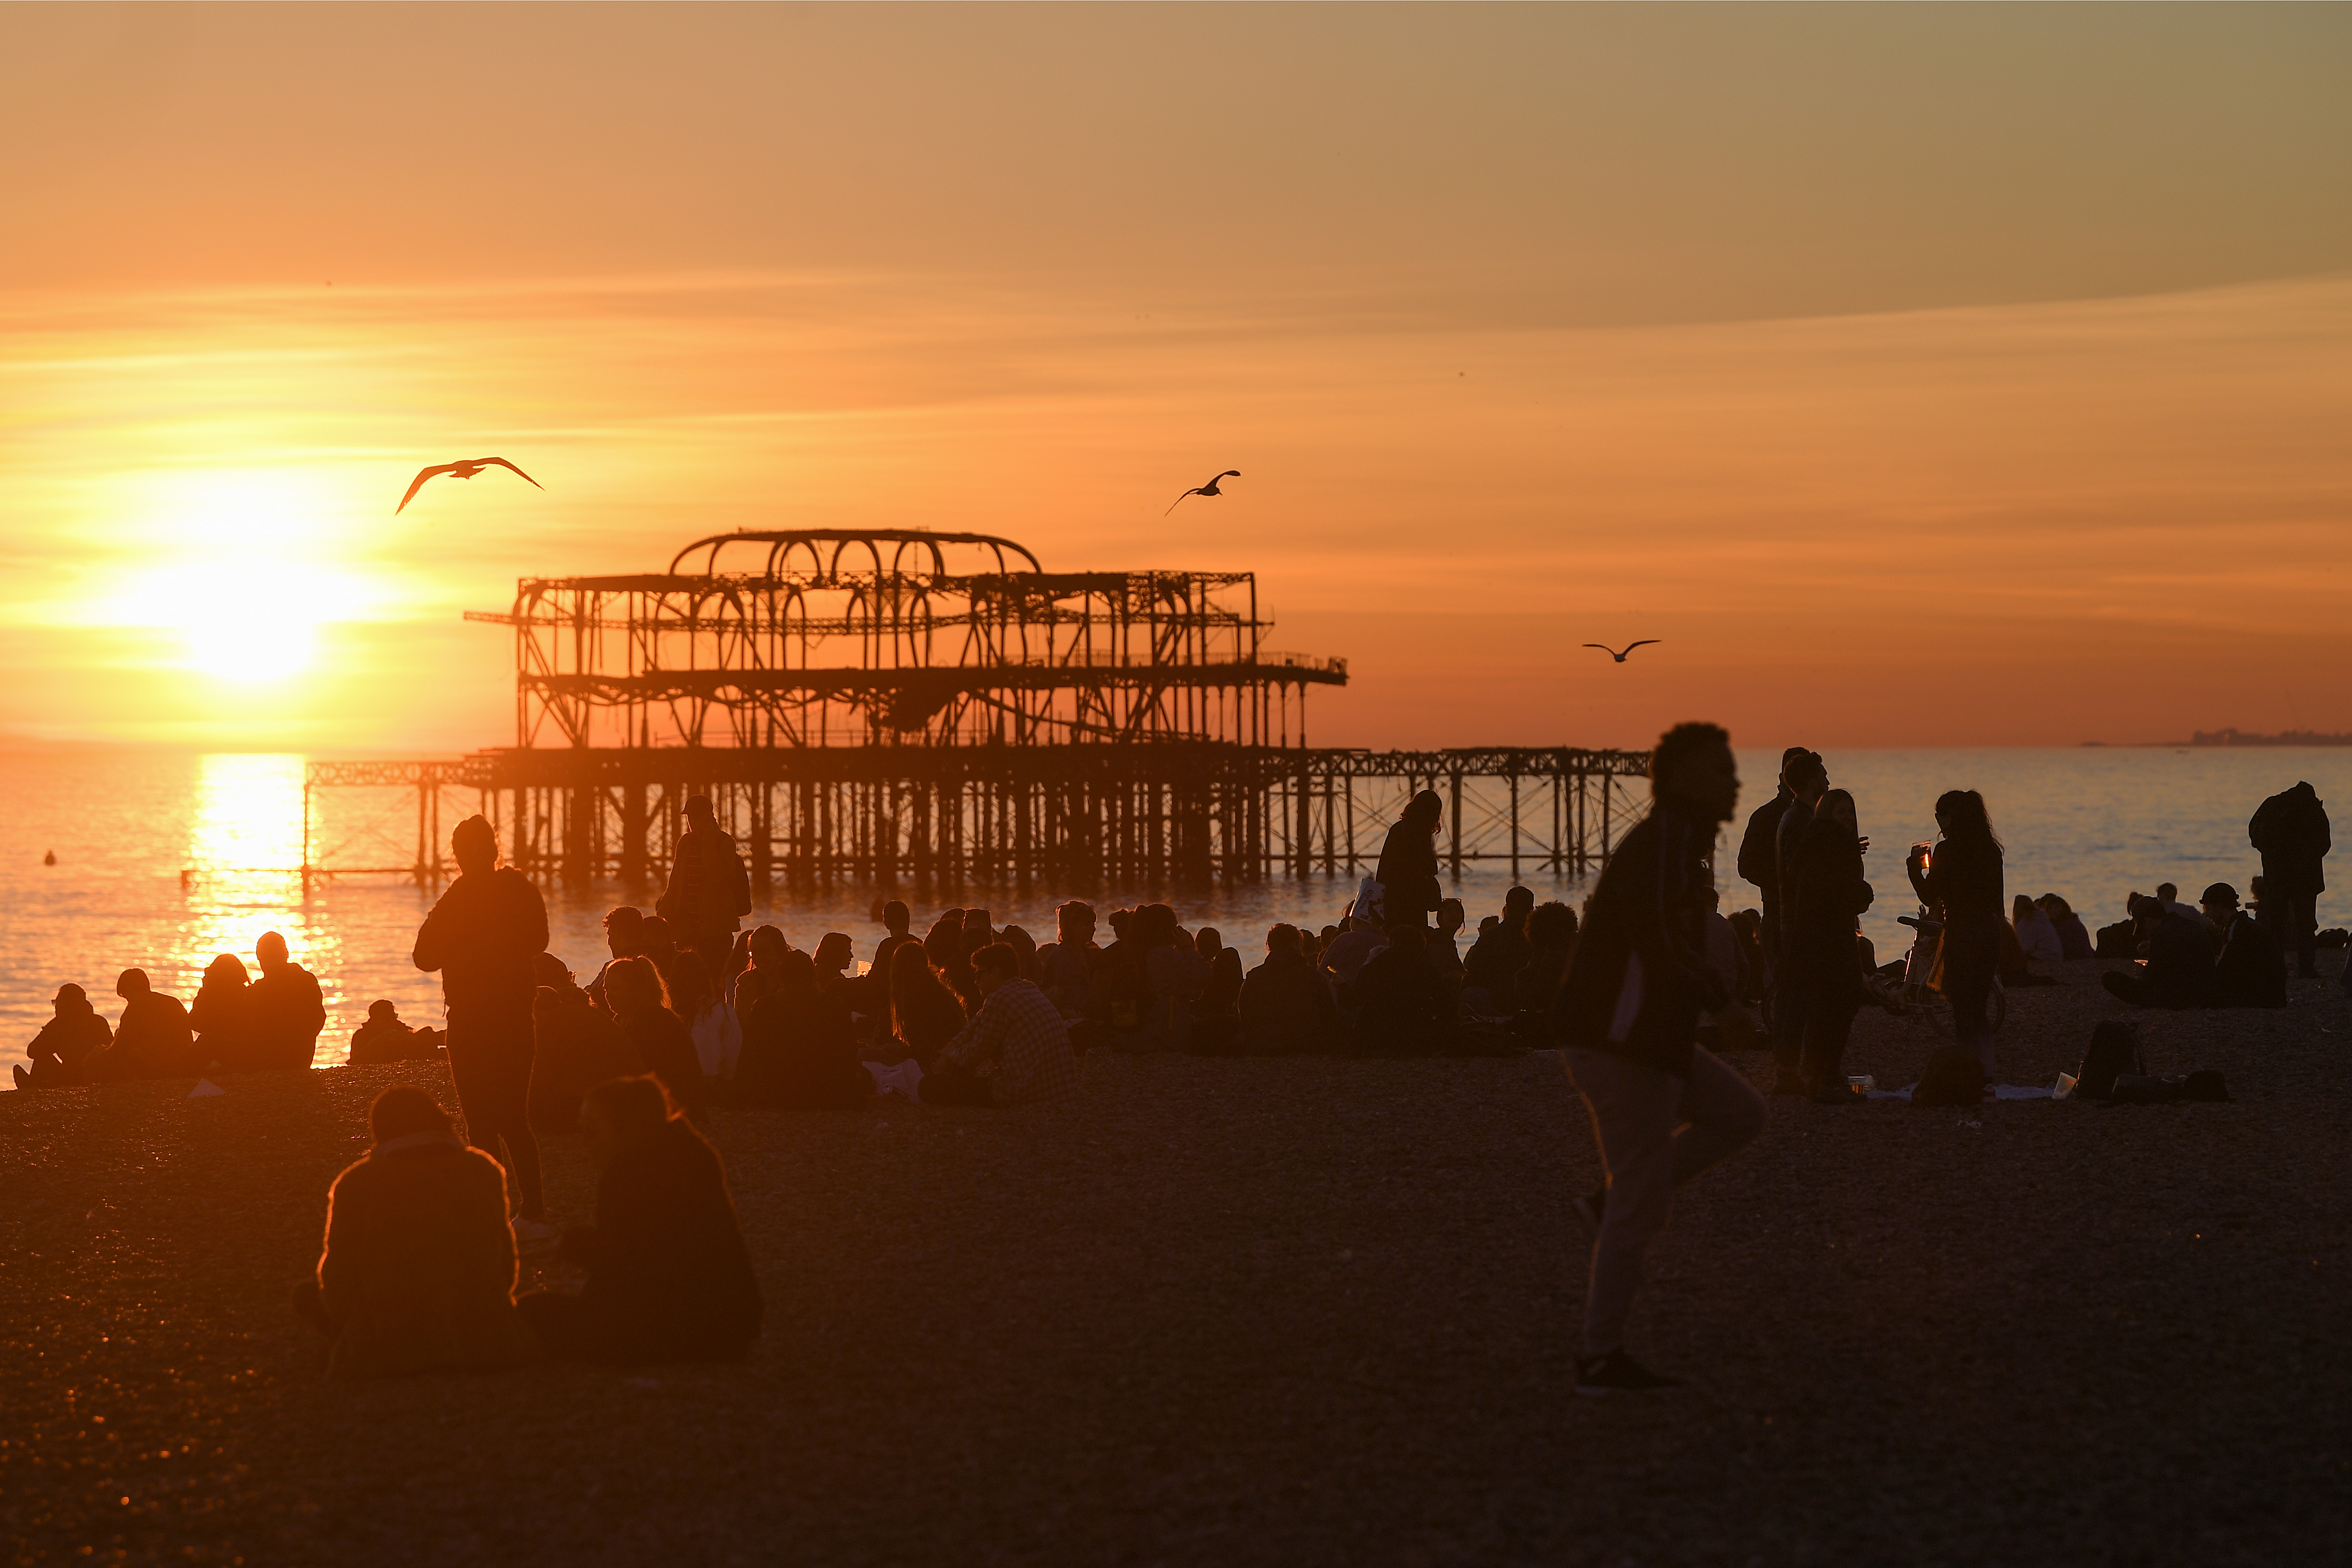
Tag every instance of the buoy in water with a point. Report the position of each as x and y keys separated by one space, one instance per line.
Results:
x=50 y=859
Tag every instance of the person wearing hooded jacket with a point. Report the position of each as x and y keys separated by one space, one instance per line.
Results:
x=2290 y=829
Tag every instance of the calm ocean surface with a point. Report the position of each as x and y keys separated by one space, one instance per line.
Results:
x=2091 y=824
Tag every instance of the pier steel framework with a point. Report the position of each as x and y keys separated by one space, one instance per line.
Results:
x=908 y=708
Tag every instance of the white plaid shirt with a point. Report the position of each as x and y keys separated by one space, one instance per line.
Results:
x=1021 y=1032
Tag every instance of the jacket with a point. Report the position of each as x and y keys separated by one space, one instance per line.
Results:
x=1640 y=979
x=482 y=935
x=2290 y=829
x=419 y=1265
x=1286 y=1009
x=669 y=1276
x=1408 y=873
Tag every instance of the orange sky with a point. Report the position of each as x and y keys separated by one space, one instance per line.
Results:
x=1964 y=376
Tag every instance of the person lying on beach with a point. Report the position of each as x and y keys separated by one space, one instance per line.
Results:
x=575 y=1045
x=800 y=1052
x=385 y=1039
x=2251 y=969
x=70 y=1045
x=641 y=1003
x=152 y=1040
x=1015 y=1050
x=418 y=1271
x=669 y=1279
x=2179 y=970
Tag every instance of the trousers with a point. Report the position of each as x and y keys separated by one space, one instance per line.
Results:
x=1654 y=1132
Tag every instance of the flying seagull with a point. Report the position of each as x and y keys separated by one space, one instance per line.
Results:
x=1208 y=489
x=465 y=470
x=1630 y=646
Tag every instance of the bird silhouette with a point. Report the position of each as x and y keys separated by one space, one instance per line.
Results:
x=1208 y=489
x=465 y=470
x=1630 y=646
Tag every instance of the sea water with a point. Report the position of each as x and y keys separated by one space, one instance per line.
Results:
x=166 y=860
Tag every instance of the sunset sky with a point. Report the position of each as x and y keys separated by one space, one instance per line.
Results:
x=1955 y=375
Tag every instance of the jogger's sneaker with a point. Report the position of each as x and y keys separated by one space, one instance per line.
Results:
x=1589 y=1210
x=1617 y=1372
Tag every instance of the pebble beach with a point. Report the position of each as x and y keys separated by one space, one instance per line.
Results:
x=1258 y=1310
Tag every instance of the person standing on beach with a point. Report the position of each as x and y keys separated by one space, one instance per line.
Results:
x=1664 y=1109
x=1825 y=893
x=1808 y=778
x=1760 y=857
x=485 y=936
x=708 y=892
x=1962 y=876
x=1407 y=867
x=2290 y=829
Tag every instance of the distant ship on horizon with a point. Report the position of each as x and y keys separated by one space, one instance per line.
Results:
x=2231 y=737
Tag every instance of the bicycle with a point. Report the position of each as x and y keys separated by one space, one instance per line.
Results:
x=1915 y=995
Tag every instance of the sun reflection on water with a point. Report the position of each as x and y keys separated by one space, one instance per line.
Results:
x=244 y=869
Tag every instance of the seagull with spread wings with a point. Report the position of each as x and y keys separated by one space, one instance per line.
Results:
x=1208 y=489
x=465 y=470
x=1630 y=646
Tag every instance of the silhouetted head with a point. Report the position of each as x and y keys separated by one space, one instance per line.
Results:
x=1552 y=925
x=976 y=920
x=699 y=811
x=1787 y=757
x=633 y=987
x=403 y=1111
x=653 y=936
x=896 y=917
x=911 y=977
x=994 y=964
x=2220 y=901
x=2146 y=912
x=834 y=953
x=625 y=931
x=1155 y=925
x=1424 y=810
x=475 y=843
x=2056 y=908
x=1075 y=923
x=1024 y=946
x=1450 y=915
x=1488 y=923
x=1516 y=905
x=1406 y=935
x=1282 y=939
x=130 y=982
x=620 y=1113
x=546 y=969
x=2022 y=908
x=72 y=1001
x=1806 y=777
x=796 y=975
x=1693 y=765
x=1120 y=921
x=1962 y=814
x=1837 y=805
x=271 y=951
x=226 y=970
x=381 y=1011
x=2167 y=893
x=768 y=947
x=1208 y=941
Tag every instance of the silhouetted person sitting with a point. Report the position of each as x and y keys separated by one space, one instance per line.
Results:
x=418 y=1272
x=625 y=937
x=1444 y=957
x=800 y=1051
x=2169 y=897
x=153 y=1038
x=1286 y=1006
x=385 y=1039
x=1024 y=948
x=70 y=1046
x=924 y=1014
x=668 y=1277
x=1173 y=977
x=2073 y=939
x=1016 y=1050
x=709 y=890
x=2250 y=971
x=2037 y=938
x=1408 y=864
x=897 y=919
x=1216 y=1012
x=1402 y=1008
x=1345 y=957
x=1490 y=973
x=663 y=1041
x=832 y=958
x=285 y=1008
x=1551 y=947
x=2179 y=970
x=2290 y=829
x=766 y=948
x=575 y=1045
x=485 y=936
x=222 y=1016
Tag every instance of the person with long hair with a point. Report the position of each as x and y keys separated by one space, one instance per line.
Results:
x=221 y=1016
x=800 y=1050
x=1407 y=873
x=1820 y=901
x=1961 y=875
x=634 y=985
x=924 y=1014
x=1664 y=1108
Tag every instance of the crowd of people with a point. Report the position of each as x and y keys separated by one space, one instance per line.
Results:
x=1645 y=994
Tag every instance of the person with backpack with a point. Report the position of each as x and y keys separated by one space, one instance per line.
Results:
x=2289 y=830
x=1664 y=1108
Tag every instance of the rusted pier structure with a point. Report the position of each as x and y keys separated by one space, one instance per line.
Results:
x=923 y=709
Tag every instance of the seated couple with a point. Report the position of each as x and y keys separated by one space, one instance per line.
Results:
x=1016 y=1050
x=2221 y=958
x=419 y=1270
